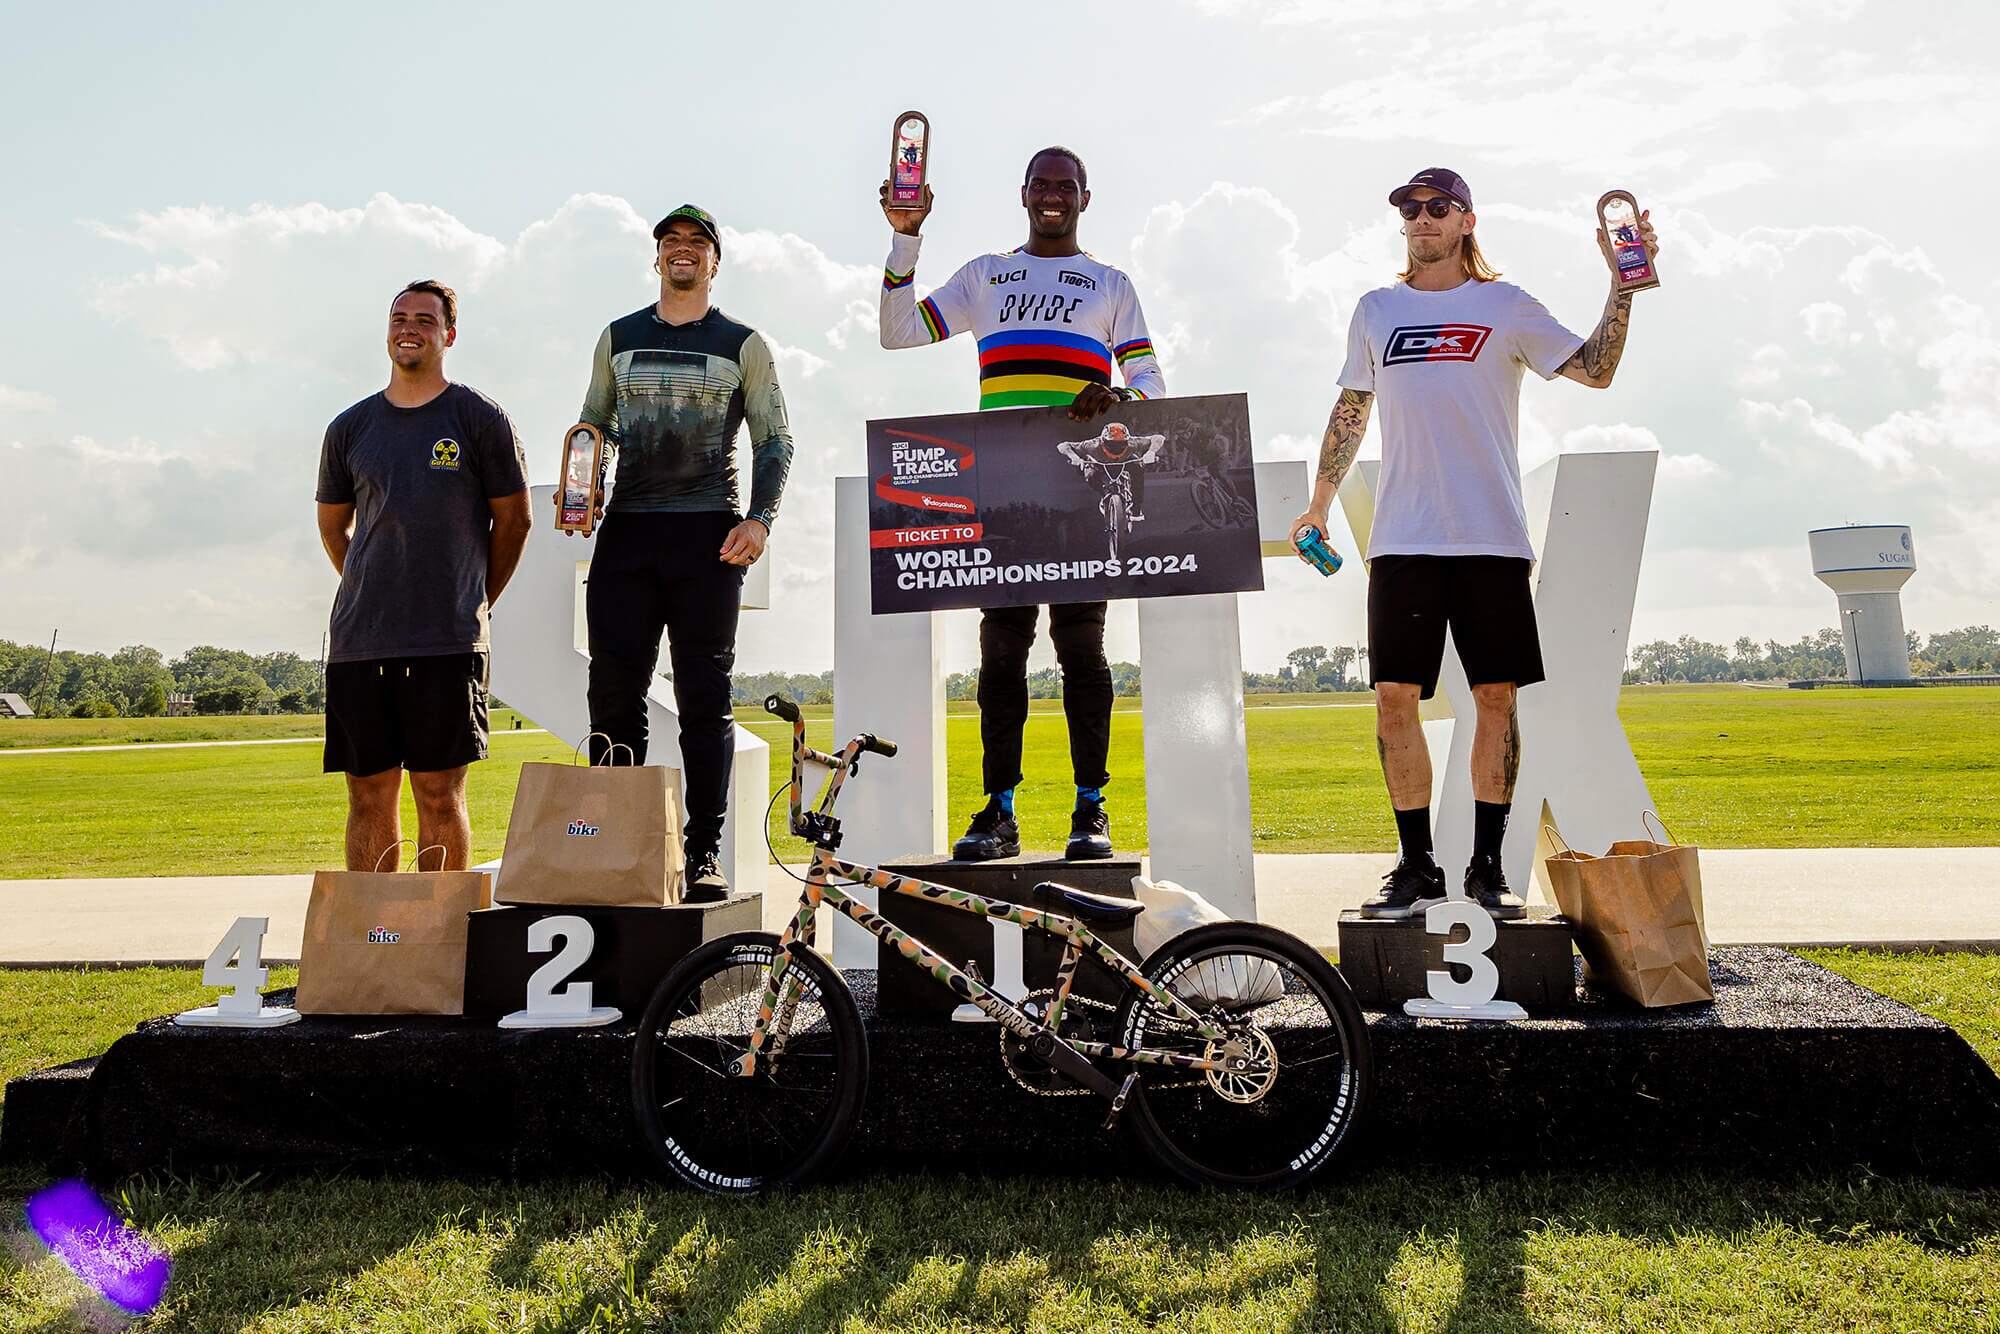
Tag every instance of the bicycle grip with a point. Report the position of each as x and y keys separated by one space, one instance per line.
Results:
x=871 y=742
x=782 y=707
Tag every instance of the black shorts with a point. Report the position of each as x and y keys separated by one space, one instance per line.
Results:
x=1483 y=600
x=421 y=714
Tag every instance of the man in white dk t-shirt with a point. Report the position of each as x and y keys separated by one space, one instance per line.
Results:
x=1443 y=350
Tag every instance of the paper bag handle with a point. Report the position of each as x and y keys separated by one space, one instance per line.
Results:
x=1556 y=834
x=611 y=748
x=416 y=863
x=1665 y=838
x=391 y=848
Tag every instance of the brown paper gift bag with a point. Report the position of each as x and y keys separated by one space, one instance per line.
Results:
x=1636 y=911
x=388 y=943
x=600 y=835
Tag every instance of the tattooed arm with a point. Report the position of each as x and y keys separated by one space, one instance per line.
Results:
x=1337 y=449
x=1596 y=361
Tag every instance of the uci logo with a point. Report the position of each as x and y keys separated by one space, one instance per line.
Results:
x=1435 y=342
x=444 y=454
x=1011 y=276
x=382 y=935
x=582 y=830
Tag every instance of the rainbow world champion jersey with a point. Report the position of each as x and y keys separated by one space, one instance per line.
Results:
x=1046 y=326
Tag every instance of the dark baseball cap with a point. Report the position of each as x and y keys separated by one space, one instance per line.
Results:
x=1441 y=179
x=700 y=217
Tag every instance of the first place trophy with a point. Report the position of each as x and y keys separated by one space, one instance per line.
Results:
x=582 y=480
x=909 y=160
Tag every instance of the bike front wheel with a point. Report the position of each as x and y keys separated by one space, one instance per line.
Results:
x=1114 y=520
x=1298 y=1047
x=730 y=1134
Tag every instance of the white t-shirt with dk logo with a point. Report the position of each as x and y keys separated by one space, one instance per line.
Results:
x=1445 y=369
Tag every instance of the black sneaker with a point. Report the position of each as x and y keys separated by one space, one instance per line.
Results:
x=991 y=835
x=1414 y=886
x=1486 y=885
x=1089 y=833
x=705 y=881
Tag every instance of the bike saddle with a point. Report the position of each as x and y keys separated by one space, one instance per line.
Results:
x=1092 y=907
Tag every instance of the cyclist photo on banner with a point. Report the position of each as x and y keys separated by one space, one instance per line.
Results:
x=1115 y=462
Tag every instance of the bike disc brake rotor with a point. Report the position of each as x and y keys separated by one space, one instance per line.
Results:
x=1252 y=1065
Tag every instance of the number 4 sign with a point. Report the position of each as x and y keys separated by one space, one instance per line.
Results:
x=238 y=963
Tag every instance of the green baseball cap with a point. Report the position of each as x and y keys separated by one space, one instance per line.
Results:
x=700 y=217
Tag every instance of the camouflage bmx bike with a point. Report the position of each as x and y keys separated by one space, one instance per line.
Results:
x=1236 y=1053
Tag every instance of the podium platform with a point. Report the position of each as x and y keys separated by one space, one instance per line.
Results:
x=1793 y=1068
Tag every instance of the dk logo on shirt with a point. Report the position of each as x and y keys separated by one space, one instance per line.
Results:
x=444 y=454
x=1435 y=342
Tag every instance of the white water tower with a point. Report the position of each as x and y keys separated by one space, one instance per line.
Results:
x=1867 y=566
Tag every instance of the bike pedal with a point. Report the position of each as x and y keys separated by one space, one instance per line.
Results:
x=1118 y=1100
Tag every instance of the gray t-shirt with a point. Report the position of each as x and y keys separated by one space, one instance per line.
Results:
x=414 y=585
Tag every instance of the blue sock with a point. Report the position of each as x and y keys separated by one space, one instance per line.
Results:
x=1094 y=795
x=1005 y=800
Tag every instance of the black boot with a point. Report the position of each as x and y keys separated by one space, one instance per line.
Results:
x=991 y=835
x=1486 y=885
x=1416 y=885
x=1089 y=833
x=705 y=882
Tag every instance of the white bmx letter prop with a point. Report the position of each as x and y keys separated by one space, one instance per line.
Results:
x=551 y=1002
x=238 y=963
x=889 y=675
x=1587 y=515
x=541 y=666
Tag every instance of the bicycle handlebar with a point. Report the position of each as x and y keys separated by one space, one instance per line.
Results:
x=782 y=707
x=871 y=742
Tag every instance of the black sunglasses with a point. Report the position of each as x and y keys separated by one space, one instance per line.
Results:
x=1437 y=208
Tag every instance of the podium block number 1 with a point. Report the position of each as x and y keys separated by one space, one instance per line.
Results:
x=553 y=1000
x=238 y=963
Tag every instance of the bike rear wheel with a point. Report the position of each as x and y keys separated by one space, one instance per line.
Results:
x=727 y=1134
x=1280 y=1120
x=1208 y=504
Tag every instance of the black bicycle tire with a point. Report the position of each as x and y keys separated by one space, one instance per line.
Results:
x=1212 y=509
x=1345 y=1010
x=1114 y=515
x=843 y=1016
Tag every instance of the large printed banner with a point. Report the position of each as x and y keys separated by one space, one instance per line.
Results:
x=1021 y=507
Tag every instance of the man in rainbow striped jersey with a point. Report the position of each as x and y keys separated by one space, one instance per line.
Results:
x=1051 y=323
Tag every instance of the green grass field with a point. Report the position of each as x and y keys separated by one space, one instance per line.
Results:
x=1386 y=1249
x=1728 y=767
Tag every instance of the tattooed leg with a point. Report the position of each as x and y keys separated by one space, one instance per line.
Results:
x=1496 y=744
x=1399 y=740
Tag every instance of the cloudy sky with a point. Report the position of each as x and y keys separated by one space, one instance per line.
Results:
x=204 y=214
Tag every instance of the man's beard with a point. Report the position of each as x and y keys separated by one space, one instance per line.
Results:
x=1431 y=249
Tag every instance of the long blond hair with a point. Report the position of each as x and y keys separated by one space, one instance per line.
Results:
x=1474 y=263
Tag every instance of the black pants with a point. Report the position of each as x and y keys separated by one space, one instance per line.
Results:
x=660 y=571
x=1005 y=636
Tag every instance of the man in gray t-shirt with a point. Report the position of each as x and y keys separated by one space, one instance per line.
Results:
x=423 y=509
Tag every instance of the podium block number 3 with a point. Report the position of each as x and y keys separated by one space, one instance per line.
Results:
x=1484 y=983
x=553 y=1000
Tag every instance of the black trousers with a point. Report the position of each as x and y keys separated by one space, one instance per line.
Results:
x=654 y=572
x=1005 y=636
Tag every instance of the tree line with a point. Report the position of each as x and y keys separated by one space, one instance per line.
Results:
x=1974 y=649
x=136 y=680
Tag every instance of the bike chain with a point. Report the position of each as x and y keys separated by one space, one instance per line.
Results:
x=1041 y=1080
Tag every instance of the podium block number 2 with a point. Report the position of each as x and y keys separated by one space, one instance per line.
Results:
x=553 y=1000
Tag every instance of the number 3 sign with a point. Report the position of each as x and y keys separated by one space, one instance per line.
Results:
x=1473 y=998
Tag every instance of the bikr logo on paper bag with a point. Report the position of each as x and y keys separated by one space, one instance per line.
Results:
x=582 y=830
x=382 y=935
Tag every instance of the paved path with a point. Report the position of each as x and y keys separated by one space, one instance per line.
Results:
x=1862 y=896
x=198 y=745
